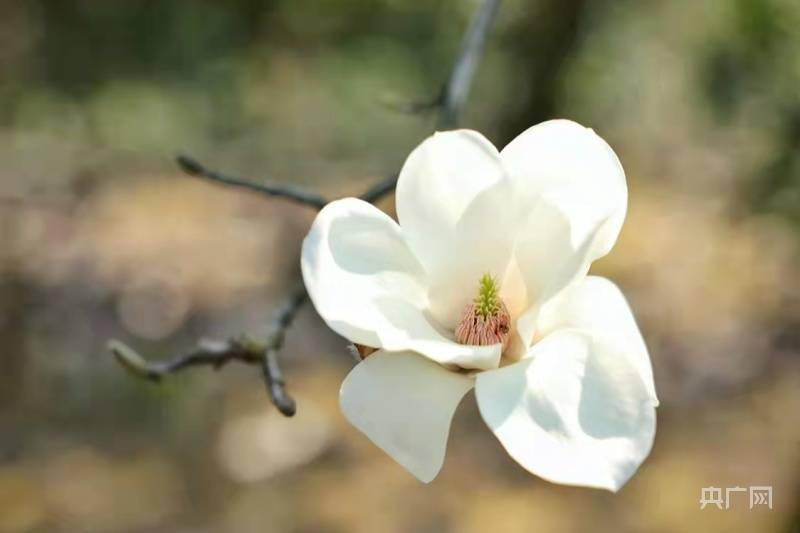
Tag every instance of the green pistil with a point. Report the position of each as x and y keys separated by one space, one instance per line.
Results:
x=488 y=302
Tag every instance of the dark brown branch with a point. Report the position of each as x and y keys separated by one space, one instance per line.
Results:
x=379 y=189
x=449 y=102
x=276 y=385
x=219 y=353
x=264 y=352
x=195 y=168
x=453 y=95
x=207 y=353
x=454 y=92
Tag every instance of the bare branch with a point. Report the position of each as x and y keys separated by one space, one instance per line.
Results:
x=207 y=353
x=195 y=168
x=218 y=353
x=449 y=103
x=456 y=89
x=380 y=189
x=454 y=93
x=276 y=385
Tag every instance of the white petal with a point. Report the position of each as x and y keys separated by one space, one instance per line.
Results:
x=368 y=287
x=404 y=403
x=574 y=412
x=454 y=203
x=596 y=305
x=354 y=257
x=548 y=260
x=573 y=198
x=570 y=166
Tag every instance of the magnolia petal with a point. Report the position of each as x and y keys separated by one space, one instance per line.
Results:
x=575 y=412
x=454 y=206
x=368 y=286
x=401 y=326
x=573 y=197
x=353 y=258
x=597 y=306
x=548 y=260
x=568 y=165
x=404 y=404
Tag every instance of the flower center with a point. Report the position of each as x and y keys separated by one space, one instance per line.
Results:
x=486 y=320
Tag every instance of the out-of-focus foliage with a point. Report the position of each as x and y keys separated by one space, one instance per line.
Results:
x=101 y=237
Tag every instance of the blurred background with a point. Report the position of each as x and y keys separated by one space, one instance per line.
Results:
x=101 y=236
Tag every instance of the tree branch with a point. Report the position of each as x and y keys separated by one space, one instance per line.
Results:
x=248 y=350
x=453 y=94
x=216 y=354
x=449 y=103
x=197 y=169
x=380 y=189
x=456 y=89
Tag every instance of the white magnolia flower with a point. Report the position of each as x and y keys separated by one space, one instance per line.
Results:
x=483 y=284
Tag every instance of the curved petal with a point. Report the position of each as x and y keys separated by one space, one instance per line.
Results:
x=575 y=412
x=404 y=403
x=597 y=306
x=454 y=206
x=568 y=165
x=368 y=287
x=548 y=260
x=354 y=257
x=573 y=198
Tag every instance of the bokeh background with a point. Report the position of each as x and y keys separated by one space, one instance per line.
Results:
x=101 y=236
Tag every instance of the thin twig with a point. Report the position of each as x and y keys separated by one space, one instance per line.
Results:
x=218 y=353
x=207 y=353
x=453 y=95
x=454 y=92
x=456 y=89
x=264 y=352
x=276 y=385
x=380 y=189
x=195 y=168
x=449 y=102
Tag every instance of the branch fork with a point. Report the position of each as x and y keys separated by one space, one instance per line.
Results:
x=264 y=351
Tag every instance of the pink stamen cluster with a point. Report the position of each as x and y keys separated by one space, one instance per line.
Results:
x=477 y=329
